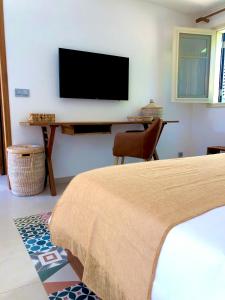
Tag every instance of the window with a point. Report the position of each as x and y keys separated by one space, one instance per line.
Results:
x=194 y=65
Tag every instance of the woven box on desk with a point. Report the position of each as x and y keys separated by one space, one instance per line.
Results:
x=42 y=118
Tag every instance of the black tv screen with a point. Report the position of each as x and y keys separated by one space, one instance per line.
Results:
x=87 y=75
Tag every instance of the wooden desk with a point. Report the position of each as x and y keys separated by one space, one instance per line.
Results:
x=73 y=128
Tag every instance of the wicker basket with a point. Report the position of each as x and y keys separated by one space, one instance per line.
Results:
x=26 y=169
x=42 y=118
x=152 y=110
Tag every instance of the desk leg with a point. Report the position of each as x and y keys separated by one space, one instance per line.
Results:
x=48 y=144
x=155 y=154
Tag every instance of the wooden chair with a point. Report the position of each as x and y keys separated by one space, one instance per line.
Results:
x=137 y=144
x=215 y=149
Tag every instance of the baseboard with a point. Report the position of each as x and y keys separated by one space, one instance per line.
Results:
x=63 y=180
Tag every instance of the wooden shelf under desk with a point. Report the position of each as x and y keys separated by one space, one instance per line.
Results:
x=86 y=129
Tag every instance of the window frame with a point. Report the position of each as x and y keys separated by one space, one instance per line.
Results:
x=211 y=93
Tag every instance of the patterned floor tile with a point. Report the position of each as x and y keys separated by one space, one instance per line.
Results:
x=38 y=244
x=63 y=278
x=50 y=261
x=45 y=217
x=78 y=292
x=53 y=287
x=66 y=273
x=33 y=231
x=45 y=266
x=23 y=222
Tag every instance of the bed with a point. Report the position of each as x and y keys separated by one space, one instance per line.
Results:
x=191 y=264
x=151 y=230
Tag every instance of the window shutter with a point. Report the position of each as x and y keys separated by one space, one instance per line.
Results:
x=222 y=72
x=193 y=52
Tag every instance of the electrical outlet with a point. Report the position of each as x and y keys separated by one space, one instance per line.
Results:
x=180 y=154
x=22 y=92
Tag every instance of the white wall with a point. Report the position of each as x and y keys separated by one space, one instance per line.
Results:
x=208 y=124
x=143 y=31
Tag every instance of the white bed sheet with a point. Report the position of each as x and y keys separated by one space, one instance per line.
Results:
x=191 y=265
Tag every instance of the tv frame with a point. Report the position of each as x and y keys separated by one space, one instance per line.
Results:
x=94 y=98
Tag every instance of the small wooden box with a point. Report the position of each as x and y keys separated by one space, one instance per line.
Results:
x=42 y=118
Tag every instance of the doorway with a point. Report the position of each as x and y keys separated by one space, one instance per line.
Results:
x=2 y=160
x=5 y=124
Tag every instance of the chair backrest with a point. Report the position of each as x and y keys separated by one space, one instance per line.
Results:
x=151 y=137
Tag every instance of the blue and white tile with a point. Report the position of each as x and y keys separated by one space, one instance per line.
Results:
x=38 y=244
x=78 y=292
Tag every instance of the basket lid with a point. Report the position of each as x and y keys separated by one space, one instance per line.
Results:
x=23 y=149
x=152 y=104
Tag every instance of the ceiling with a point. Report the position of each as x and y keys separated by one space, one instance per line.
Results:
x=192 y=7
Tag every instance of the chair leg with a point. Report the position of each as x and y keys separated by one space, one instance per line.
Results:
x=122 y=160
x=116 y=161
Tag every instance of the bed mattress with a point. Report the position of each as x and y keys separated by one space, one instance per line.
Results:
x=191 y=264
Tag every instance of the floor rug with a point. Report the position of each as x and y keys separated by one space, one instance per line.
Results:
x=51 y=263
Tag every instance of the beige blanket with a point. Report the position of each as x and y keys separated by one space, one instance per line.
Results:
x=115 y=219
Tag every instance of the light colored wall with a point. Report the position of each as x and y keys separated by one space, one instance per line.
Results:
x=208 y=124
x=143 y=31
x=208 y=128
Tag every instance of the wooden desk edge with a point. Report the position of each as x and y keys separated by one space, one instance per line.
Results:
x=27 y=123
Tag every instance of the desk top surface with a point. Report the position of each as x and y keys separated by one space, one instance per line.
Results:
x=67 y=123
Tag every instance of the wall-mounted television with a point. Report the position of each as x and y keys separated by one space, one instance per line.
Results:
x=86 y=75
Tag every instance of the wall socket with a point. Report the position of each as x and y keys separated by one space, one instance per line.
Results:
x=22 y=92
x=180 y=154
